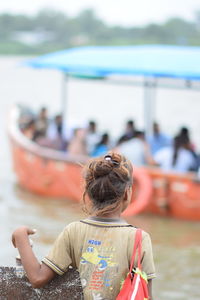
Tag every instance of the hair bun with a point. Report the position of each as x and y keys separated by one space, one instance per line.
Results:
x=103 y=168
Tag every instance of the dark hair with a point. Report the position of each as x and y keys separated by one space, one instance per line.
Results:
x=106 y=180
x=92 y=123
x=179 y=142
x=92 y=126
x=176 y=146
x=130 y=123
x=104 y=139
x=184 y=131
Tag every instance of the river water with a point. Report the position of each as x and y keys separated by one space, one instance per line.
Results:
x=176 y=243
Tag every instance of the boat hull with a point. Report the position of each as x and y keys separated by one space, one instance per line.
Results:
x=47 y=177
x=175 y=195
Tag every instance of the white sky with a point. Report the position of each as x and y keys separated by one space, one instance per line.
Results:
x=124 y=12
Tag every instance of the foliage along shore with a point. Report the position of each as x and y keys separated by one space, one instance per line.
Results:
x=51 y=30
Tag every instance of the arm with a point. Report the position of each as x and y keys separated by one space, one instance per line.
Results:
x=150 y=289
x=149 y=158
x=38 y=274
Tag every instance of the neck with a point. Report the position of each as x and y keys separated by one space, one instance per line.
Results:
x=113 y=215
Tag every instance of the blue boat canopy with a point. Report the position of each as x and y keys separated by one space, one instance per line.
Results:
x=149 y=61
x=146 y=60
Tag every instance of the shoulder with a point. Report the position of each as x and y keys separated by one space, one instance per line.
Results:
x=163 y=152
x=186 y=153
x=132 y=230
x=72 y=231
x=187 y=158
x=164 y=136
x=146 y=237
x=146 y=241
x=72 y=227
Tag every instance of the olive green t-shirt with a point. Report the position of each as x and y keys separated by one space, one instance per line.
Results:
x=101 y=250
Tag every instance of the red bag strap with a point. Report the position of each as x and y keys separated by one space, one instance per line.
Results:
x=137 y=245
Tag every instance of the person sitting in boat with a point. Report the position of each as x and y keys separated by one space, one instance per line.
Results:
x=53 y=138
x=185 y=134
x=136 y=150
x=28 y=129
x=92 y=137
x=129 y=132
x=77 y=145
x=41 y=123
x=103 y=146
x=176 y=158
x=26 y=116
x=158 y=140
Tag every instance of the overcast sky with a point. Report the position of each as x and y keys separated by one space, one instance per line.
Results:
x=124 y=12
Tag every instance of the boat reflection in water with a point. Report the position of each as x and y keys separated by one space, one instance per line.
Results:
x=54 y=173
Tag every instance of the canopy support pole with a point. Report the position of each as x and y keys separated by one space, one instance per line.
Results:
x=64 y=94
x=149 y=105
x=64 y=101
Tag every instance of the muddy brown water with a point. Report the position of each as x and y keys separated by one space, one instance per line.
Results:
x=176 y=243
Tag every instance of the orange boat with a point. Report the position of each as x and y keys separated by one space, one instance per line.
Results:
x=54 y=173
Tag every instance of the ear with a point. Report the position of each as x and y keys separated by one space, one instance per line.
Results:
x=127 y=198
x=128 y=193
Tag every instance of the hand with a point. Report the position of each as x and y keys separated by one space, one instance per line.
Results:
x=21 y=232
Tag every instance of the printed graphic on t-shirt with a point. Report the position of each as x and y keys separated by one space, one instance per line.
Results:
x=99 y=267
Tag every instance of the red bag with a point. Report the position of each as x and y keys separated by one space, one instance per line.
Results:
x=135 y=284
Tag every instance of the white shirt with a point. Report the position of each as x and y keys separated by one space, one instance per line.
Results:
x=91 y=140
x=134 y=150
x=184 y=162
